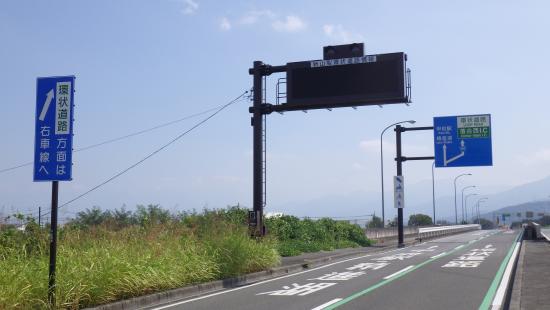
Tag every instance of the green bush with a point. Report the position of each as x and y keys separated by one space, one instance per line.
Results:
x=297 y=236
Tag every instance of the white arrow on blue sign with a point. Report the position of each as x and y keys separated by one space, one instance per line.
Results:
x=53 y=143
x=398 y=191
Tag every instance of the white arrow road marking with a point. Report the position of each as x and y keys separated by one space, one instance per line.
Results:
x=323 y=306
x=400 y=271
x=46 y=105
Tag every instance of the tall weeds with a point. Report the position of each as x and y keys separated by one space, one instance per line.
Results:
x=104 y=256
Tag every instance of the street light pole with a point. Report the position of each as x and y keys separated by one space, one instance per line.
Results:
x=433 y=190
x=466 y=205
x=456 y=212
x=471 y=186
x=479 y=201
x=382 y=165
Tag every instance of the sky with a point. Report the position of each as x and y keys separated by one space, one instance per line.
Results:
x=141 y=63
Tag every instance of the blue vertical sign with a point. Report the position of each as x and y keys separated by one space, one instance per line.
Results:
x=53 y=143
x=462 y=141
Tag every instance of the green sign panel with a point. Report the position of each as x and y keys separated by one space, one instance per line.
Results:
x=473 y=127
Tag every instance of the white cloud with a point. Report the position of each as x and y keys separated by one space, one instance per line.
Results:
x=291 y=23
x=252 y=17
x=540 y=156
x=341 y=35
x=372 y=146
x=358 y=166
x=191 y=7
x=225 y=24
x=543 y=155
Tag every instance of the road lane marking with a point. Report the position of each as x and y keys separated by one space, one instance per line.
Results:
x=438 y=255
x=326 y=304
x=169 y=305
x=400 y=271
x=492 y=292
x=271 y=280
x=384 y=282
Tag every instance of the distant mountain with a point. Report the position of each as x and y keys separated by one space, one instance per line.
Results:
x=418 y=199
x=529 y=210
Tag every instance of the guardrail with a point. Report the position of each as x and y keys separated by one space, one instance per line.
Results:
x=419 y=232
x=436 y=231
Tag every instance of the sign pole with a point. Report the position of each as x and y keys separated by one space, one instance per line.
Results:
x=399 y=159
x=53 y=244
x=257 y=124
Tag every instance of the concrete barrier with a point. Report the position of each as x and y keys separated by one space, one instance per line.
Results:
x=419 y=232
x=438 y=231
x=532 y=231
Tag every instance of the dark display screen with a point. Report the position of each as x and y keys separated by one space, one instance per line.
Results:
x=334 y=85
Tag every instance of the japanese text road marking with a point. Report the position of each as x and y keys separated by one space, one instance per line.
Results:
x=386 y=281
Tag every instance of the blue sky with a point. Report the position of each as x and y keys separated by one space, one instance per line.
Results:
x=142 y=63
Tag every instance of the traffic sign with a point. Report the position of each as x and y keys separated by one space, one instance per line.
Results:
x=53 y=143
x=398 y=191
x=462 y=141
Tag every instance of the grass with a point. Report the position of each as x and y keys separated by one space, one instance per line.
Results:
x=150 y=251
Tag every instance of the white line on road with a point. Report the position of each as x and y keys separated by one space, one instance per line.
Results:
x=499 y=296
x=326 y=304
x=439 y=255
x=282 y=277
x=459 y=247
x=271 y=280
x=400 y=271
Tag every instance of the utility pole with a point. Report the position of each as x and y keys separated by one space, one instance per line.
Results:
x=39 y=216
x=399 y=160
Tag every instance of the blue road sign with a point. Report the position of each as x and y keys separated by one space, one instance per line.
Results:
x=462 y=141
x=53 y=142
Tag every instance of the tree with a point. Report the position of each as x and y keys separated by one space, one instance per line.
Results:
x=376 y=222
x=420 y=220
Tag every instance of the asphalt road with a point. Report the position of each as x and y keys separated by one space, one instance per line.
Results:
x=456 y=272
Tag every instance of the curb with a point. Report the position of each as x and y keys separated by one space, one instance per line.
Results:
x=517 y=284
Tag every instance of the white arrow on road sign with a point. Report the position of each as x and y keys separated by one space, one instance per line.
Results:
x=450 y=160
x=46 y=105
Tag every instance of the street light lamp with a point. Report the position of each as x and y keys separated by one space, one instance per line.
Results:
x=382 y=165
x=456 y=212
x=471 y=186
x=466 y=205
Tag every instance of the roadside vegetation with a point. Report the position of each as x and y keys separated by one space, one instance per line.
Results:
x=104 y=256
